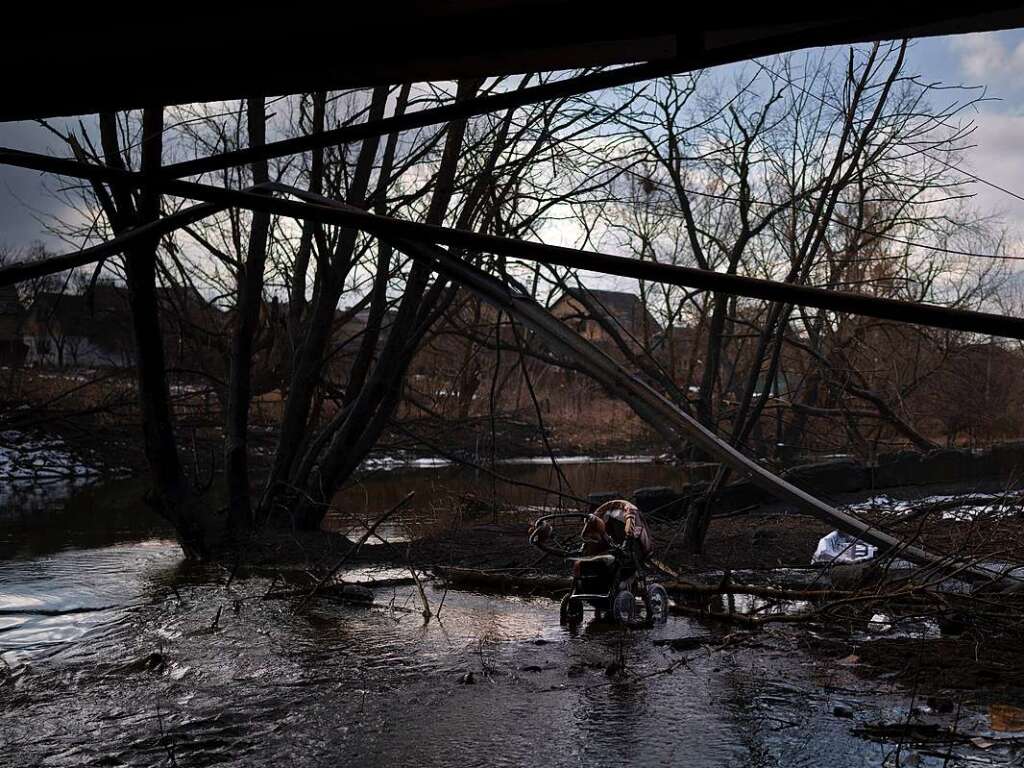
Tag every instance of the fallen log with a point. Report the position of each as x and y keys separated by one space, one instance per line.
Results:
x=911 y=733
x=687 y=643
x=351 y=592
x=509 y=581
x=503 y=581
x=742 y=619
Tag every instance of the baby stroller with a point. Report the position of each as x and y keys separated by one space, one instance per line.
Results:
x=614 y=583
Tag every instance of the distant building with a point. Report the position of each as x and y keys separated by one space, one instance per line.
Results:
x=79 y=330
x=195 y=332
x=599 y=316
x=94 y=329
x=678 y=349
x=348 y=335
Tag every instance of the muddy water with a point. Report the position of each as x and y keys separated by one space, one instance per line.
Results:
x=117 y=653
x=515 y=483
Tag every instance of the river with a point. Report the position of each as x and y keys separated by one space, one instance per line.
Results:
x=117 y=652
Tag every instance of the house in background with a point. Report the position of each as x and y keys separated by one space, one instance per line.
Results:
x=679 y=349
x=599 y=316
x=94 y=329
x=80 y=330
x=13 y=349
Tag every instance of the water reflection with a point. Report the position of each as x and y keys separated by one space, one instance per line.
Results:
x=61 y=517
x=440 y=489
x=47 y=601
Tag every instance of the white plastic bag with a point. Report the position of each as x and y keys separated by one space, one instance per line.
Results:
x=841 y=548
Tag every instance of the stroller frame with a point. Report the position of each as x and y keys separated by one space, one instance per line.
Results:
x=610 y=582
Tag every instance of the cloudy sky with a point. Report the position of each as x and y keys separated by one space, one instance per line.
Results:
x=994 y=60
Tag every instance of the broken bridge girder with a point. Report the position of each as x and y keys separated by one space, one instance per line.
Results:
x=670 y=420
x=321 y=210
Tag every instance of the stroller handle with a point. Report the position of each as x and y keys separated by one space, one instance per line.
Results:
x=541 y=524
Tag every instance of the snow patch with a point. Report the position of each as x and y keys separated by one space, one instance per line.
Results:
x=964 y=506
x=24 y=458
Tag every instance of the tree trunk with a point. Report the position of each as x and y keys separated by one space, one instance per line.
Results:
x=250 y=299
x=297 y=291
x=305 y=371
x=171 y=493
x=361 y=424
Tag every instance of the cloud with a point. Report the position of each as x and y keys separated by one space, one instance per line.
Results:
x=25 y=193
x=998 y=157
x=989 y=56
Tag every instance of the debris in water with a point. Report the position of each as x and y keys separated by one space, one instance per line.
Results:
x=879 y=623
x=1006 y=718
x=942 y=706
x=839 y=547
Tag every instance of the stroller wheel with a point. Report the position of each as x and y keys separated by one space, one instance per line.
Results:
x=624 y=608
x=570 y=612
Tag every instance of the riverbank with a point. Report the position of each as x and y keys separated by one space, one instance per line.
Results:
x=962 y=521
